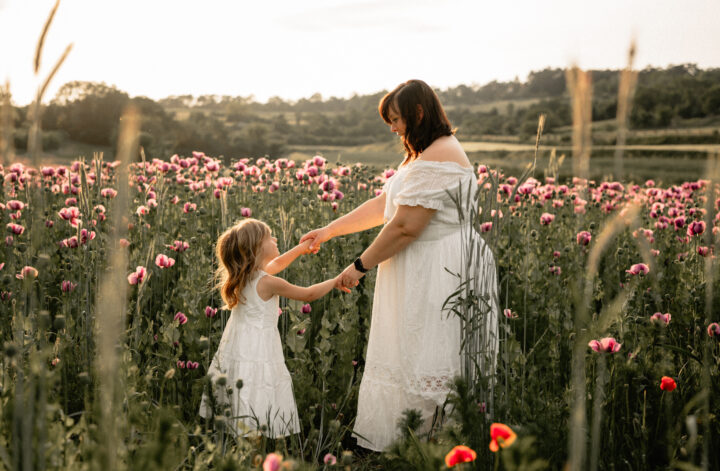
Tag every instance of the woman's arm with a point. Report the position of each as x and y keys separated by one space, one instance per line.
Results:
x=406 y=226
x=367 y=215
x=281 y=262
x=269 y=286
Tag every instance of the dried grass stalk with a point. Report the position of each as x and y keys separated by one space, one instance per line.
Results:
x=626 y=92
x=110 y=304
x=580 y=87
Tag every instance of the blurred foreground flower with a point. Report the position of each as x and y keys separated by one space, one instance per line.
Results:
x=272 y=462
x=330 y=459
x=502 y=435
x=460 y=454
x=667 y=384
x=605 y=345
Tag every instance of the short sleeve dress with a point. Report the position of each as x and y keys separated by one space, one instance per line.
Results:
x=250 y=349
x=414 y=348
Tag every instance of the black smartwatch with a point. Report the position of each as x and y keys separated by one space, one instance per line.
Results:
x=359 y=266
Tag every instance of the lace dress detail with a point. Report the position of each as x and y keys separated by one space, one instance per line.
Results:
x=413 y=351
x=250 y=349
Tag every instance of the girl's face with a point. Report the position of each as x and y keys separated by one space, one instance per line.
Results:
x=397 y=124
x=269 y=248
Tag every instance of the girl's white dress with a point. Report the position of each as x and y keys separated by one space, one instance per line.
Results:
x=414 y=347
x=250 y=350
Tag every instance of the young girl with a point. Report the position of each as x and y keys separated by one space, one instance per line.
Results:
x=250 y=348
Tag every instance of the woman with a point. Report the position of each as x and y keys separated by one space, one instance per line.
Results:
x=414 y=347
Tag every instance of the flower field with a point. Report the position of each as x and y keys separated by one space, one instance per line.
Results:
x=609 y=349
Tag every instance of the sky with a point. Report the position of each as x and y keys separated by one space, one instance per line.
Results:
x=296 y=48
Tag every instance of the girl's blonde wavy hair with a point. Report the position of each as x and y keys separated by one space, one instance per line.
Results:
x=238 y=252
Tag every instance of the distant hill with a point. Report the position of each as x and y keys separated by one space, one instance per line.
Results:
x=87 y=114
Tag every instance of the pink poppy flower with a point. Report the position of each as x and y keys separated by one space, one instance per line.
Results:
x=703 y=251
x=508 y=313
x=330 y=459
x=27 y=272
x=660 y=318
x=138 y=276
x=486 y=227
x=306 y=309
x=246 y=212
x=696 y=228
x=181 y=318
x=638 y=269
x=713 y=330
x=583 y=238
x=163 y=261
x=15 y=205
x=210 y=312
x=546 y=218
x=16 y=229
x=189 y=207
x=318 y=161
x=605 y=345
x=68 y=286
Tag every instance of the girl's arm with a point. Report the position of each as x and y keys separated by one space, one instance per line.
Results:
x=269 y=286
x=367 y=215
x=281 y=262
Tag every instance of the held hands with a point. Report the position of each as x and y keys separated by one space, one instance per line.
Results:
x=349 y=278
x=305 y=246
x=316 y=238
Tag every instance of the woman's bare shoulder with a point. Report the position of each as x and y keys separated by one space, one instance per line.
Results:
x=446 y=149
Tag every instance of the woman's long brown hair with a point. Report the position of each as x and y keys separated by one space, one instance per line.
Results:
x=238 y=251
x=420 y=132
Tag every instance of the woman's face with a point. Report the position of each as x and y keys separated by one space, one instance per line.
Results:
x=397 y=124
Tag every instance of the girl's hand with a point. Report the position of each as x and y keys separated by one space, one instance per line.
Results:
x=316 y=238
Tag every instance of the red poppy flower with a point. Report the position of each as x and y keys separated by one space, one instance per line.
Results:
x=459 y=454
x=667 y=384
x=502 y=435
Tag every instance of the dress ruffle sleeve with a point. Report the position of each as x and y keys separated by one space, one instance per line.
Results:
x=427 y=184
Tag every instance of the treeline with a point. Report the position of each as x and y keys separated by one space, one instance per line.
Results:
x=89 y=113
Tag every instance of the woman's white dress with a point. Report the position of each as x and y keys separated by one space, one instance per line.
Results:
x=413 y=351
x=250 y=350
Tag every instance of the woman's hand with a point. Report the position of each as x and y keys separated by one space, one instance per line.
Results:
x=349 y=278
x=317 y=237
